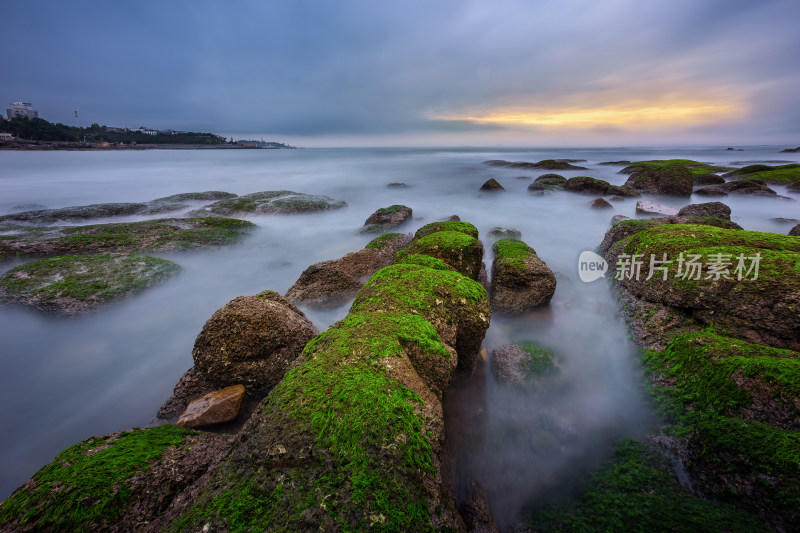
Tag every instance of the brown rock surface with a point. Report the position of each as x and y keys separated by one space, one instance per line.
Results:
x=215 y=407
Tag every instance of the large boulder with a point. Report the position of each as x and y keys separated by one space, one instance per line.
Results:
x=75 y=284
x=669 y=178
x=386 y=218
x=258 y=203
x=454 y=244
x=251 y=340
x=547 y=182
x=333 y=283
x=708 y=209
x=625 y=227
x=588 y=185
x=520 y=280
x=752 y=186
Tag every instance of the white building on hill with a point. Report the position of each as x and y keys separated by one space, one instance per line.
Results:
x=21 y=110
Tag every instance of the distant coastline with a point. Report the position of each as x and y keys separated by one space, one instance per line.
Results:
x=25 y=145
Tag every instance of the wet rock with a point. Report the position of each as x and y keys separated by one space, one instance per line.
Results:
x=793 y=187
x=708 y=209
x=795 y=231
x=397 y=185
x=194 y=196
x=784 y=220
x=166 y=234
x=333 y=283
x=70 y=285
x=27 y=206
x=615 y=163
x=74 y=213
x=213 y=408
x=453 y=218
x=619 y=218
x=266 y=202
x=669 y=178
x=524 y=177
x=751 y=186
x=553 y=180
x=456 y=248
x=251 y=340
x=600 y=203
x=386 y=218
x=585 y=184
x=708 y=179
x=521 y=364
x=653 y=208
x=520 y=280
x=492 y=185
x=790 y=150
x=545 y=164
x=476 y=510
x=711 y=191
x=502 y=233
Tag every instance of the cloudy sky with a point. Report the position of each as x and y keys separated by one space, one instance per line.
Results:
x=365 y=72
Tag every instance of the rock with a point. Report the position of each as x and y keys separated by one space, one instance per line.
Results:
x=520 y=280
x=708 y=209
x=618 y=218
x=546 y=164
x=213 y=408
x=708 y=179
x=795 y=231
x=166 y=234
x=502 y=233
x=73 y=213
x=652 y=208
x=524 y=177
x=397 y=185
x=492 y=185
x=386 y=217
x=453 y=218
x=626 y=227
x=194 y=196
x=266 y=202
x=333 y=283
x=790 y=150
x=20 y=207
x=589 y=185
x=251 y=340
x=599 y=203
x=553 y=180
x=476 y=510
x=711 y=191
x=669 y=179
x=794 y=187
x=456 y=247
x=70 y=285
x=615 y=163
x=784 y=220
x=748 y=186
x=521 y=364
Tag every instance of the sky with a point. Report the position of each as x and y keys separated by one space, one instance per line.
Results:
x=415 y=73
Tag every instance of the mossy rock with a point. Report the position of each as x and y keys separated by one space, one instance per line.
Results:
x=695 y=167
x=386 y=218
x=504 y=233
x=166 y=234
x=636 y=490
x=763 y=309
x=118 y=481
x=81 y=212
x=771 y=174
x=447 y=225
x=351 y=438
x=594 y=186
x=524 y=364
x=459 y=250
x=545 y=164
x=70 y=285
x=669 y=178
x=194 y=196
x=520 y=280
x=270 y=202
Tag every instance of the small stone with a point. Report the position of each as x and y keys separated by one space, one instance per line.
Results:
x=213 y=408
x=599 y=203
x=652 y=208
x=492 y=185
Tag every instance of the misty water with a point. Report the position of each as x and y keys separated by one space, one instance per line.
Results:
x=65 y=379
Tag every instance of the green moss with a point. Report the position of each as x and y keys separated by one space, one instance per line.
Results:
x=391 y=210
x=512 y=252
x=539 y=362
x=458 y=250
x=636 y=491
x=265 y=295
x=424 y=260
x=697 y=168
x=449 y=225
x=770 y=174
x=87 y=484
x=380 y=242
x=100 y=278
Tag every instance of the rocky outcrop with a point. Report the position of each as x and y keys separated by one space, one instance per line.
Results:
x=545 y=164
x=259 y=203
x=790 y=150
x=333 y=283
x=213 y=408
x=386 y=218
x=520 y=280
x=588 y=185
x=70 y=285
x=653 y=208
x=451 y=242
x=669 y=178
x=166 y=235
x=522 y=364
x=547 y=182
x=492 y=185
x=251 y=340
x=708 y=209
x=625 y=227
x=795 y=231
x=600 y=203
x=708 y=179
x=504 y=233
x=750 y=186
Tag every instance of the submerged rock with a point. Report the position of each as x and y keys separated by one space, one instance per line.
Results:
x=752 y=186
x=708 y=179
x=585 y=184
x=386 y=218
x=265 y=202
x=70 y=285
x=166 y=234
x=545 y=164
x=492 y=185
x=397 y=185
x=213 y=408
x=600 y=203
x=795 y=231
x=668 y=178
x=503 y=233
x=653 y=208
x=711 y=191
x=333 y=283
x=520 y=280
x=522 y=364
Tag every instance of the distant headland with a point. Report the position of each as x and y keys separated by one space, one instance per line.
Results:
x=24 y=130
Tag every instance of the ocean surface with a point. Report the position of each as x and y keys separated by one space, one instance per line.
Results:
x=63 y=380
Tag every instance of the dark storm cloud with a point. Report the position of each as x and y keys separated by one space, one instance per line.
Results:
x=358 y=67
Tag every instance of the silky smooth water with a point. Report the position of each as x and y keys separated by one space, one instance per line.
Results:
x=65 y=379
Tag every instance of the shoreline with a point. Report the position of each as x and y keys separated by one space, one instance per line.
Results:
x=80 y=146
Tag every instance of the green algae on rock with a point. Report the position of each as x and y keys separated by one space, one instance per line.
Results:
x=674 y=179
x=521 y=281
x=522 y=364
x=386 y=218
x=264 y=202
x=771 y=174
x=74 y=284
x=456 y=247
x=166 y=234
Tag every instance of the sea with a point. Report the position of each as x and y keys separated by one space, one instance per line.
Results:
x=63 y=380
